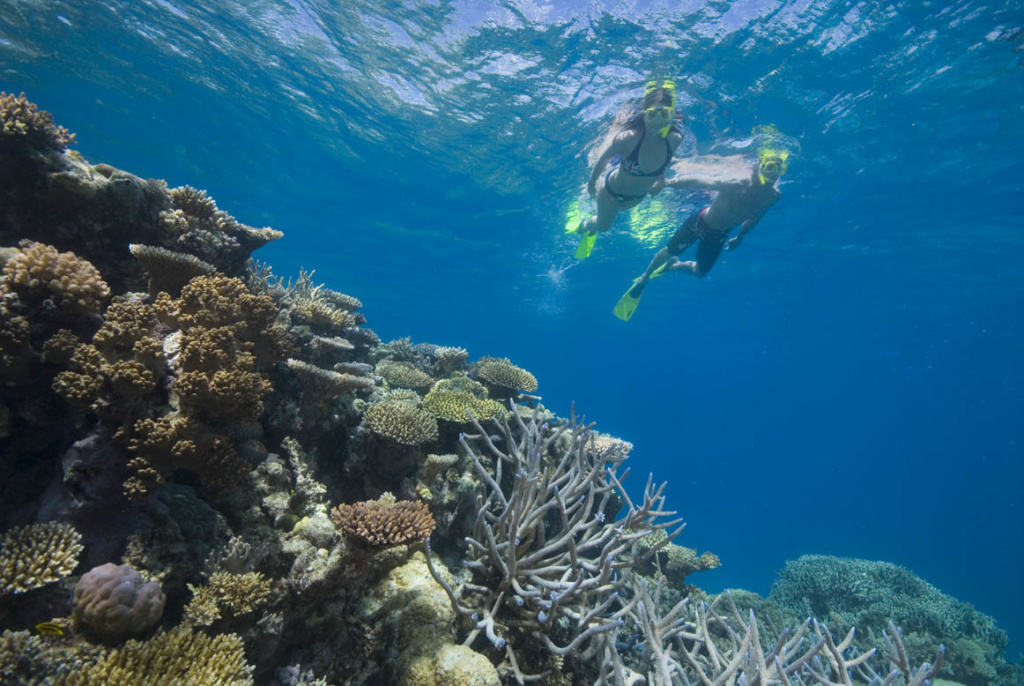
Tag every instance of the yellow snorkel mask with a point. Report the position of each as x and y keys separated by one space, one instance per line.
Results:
x=669 y=86
x=773 y=162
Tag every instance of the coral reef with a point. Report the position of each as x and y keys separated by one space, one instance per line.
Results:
x=384 y=522
x=196 y=429
x=114 y=602
x=36 y=555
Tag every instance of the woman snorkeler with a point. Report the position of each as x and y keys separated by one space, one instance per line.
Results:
x=632 y=158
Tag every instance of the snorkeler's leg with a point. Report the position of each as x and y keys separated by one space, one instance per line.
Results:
x=708 y=250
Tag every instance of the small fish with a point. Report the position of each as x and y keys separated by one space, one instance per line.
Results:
x=51 y=629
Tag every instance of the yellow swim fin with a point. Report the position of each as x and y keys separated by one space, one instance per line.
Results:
x=627 y=304
x=586 y=245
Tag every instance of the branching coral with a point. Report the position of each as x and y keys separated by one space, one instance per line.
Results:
x=217 y=378
x=36 y=555
x=41 y=274
x=25 y=125
x=212 y=301
x=547 y=559
x=501 y=372
x=179 y=657
x=227 y=594
x=385 y=522
x=714 y=643
x=162 y=445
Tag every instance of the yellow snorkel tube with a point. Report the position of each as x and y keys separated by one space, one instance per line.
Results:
x=669 y=86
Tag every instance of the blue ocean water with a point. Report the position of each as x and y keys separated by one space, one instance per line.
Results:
x=849 y=382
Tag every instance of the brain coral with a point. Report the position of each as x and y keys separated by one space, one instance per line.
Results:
x=114 y=602
x=385 y=522
x=40 y=273
x=502 y=372
x=401 y=421
x=38 y=554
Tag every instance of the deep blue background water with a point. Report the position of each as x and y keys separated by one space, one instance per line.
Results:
x=849 y=382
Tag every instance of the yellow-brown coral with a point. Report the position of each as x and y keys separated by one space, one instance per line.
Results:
x=163 y=445
x=226 y=593
x=217 y=376
x=385 y=522
x=501 y=372
x=38 y=554
x=401 y=421
x=179 y=657
x=22 y=120
x=41 y=273
x=459 y=406
x=403 y=375
x=212 y=301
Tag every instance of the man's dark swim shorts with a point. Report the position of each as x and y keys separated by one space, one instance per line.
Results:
x=711 y=241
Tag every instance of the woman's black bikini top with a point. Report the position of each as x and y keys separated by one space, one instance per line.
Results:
x=631 y=163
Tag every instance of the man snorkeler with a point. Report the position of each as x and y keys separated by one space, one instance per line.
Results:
x=742 y=200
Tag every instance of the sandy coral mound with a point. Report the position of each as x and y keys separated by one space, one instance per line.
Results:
x=385 y=522
x=36 y=555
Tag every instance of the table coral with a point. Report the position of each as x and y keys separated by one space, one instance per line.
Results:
x=460 y=406
x=403 y=375
x=36 y=555
x=501 y=372
x=168 y=270
x=195 y=225
x=401 y=421
x=385 y=522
